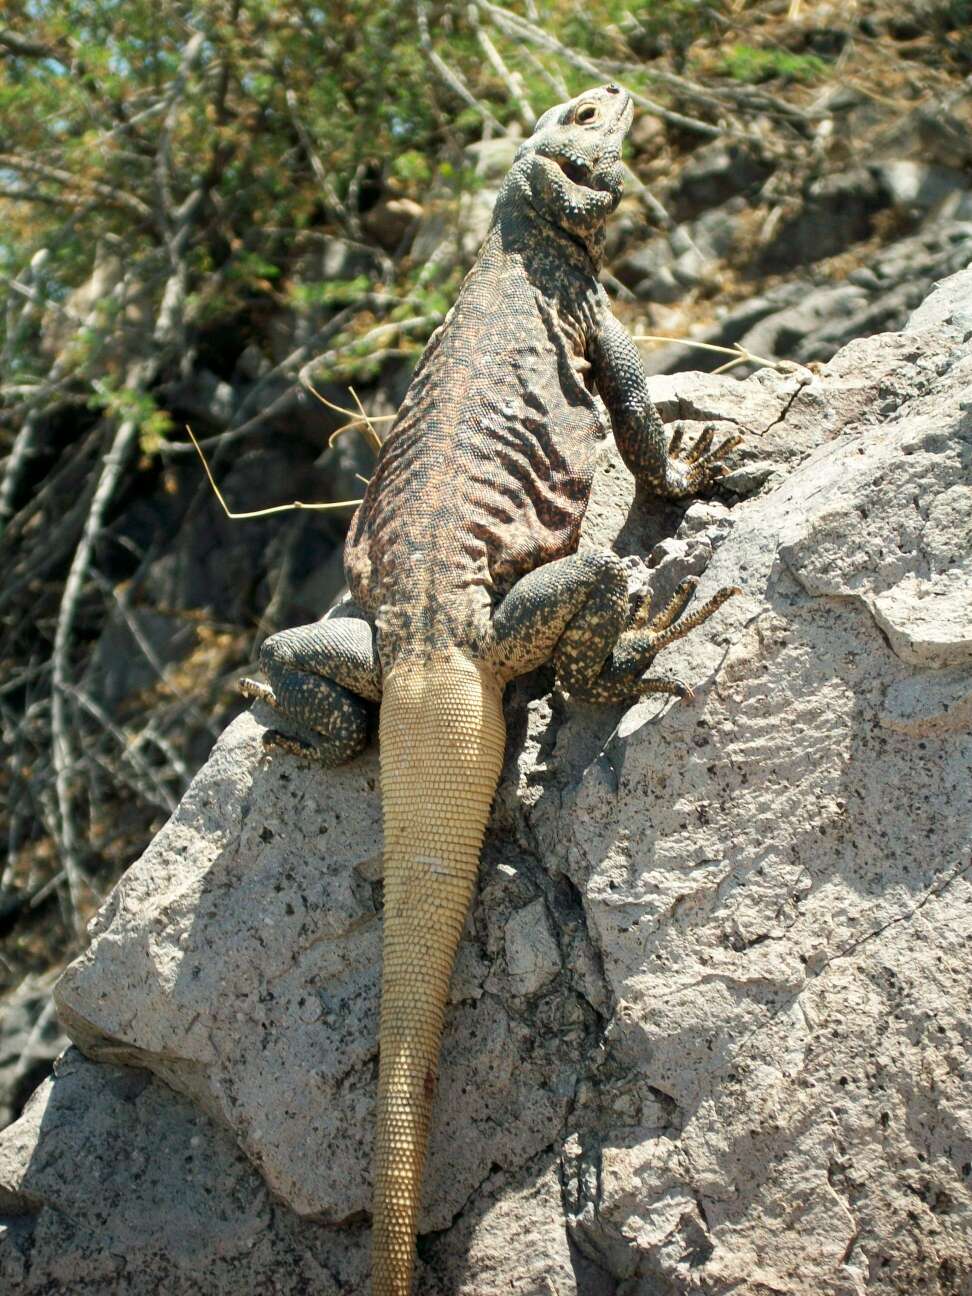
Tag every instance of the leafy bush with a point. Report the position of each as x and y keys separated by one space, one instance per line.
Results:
x=747 y=63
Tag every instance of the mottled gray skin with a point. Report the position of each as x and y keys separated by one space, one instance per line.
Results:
x=467 y=534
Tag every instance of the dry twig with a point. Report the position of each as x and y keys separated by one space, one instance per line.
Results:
x=264 y=512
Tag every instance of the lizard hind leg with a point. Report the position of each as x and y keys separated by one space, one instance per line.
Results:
x=319 y=677
x=571 y=609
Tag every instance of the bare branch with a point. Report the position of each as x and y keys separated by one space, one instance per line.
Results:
x=520 y=29
x=157 y=792
x=62 y=736
x=23 y=47
x=108 y=193
x=163 y=155
x=738 y=352
x=752 y=97
x=512 y=80
x=345 y=215
x=452 y=79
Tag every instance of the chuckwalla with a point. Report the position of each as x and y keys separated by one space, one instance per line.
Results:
x=461 y=560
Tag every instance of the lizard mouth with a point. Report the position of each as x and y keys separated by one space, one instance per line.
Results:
x=578 y=176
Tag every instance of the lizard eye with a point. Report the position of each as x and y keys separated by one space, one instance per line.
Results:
x=586 y=114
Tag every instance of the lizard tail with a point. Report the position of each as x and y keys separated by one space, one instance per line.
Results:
x=442 y=739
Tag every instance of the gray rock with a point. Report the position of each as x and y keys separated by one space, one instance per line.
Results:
x=112 y=1183
x=748 y=1073
x=715 y=173
x=708 y=518
x=836 y=212
x=644 y=262
x=133 y=649
x=918 y=184
x=809 y=322
x=662 y=287
x=393 y=222
x=664 y=269
x=532 y=953
x=716 y=231
x=751 y=478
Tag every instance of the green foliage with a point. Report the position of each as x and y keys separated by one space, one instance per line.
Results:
x=412 y=166
x=289 y=108
x=331 y=292
x=746 y=63
x=294 y=118
x=126 y=403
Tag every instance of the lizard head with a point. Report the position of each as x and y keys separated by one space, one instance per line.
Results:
x=570 y=169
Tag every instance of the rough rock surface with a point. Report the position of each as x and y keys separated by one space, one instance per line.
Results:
x=711 y=1018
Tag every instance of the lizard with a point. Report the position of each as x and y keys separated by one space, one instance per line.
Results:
x=463 y=571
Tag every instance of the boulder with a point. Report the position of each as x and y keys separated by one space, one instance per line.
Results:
x=809 y=321
x=836 y=211
x=111 y=1183
x=710 y=1025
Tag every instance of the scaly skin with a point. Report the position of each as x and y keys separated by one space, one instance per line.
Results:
x=461 y=560
x=442 y=739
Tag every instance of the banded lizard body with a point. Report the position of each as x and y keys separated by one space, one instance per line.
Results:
x=462 y=560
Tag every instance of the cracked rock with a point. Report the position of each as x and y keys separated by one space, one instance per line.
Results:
x=532 y=955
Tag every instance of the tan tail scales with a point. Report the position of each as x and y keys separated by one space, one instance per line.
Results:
x=442 y=740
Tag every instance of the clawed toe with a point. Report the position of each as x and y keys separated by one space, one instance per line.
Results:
x=676 y=687
x=274 y=740
x=257 y=691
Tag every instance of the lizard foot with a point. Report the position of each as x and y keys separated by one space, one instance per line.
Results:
x=274 y=740
x=678 y=688
x=624 y=677
x=342 y=729
x=699 y=465
x=258 y=692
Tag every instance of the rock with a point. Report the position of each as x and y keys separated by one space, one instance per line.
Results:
x=278 y=933
x=809 y=322
x=662 y=287
x=133 y=651
x=337 y=259
x=532 y=954
x=836 y=212
x=716 y=172
x=931 y=132
x=644 y=263
x=392 y=221
x=664 y=269
x=110 y=1182
x=735 y=1060
x=706 y=517
x=202 y=395
x=750 y=478
x=918 y=184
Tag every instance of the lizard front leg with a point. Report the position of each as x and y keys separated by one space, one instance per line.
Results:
x=657 y=463
x=575 y=610
x=318 y=676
